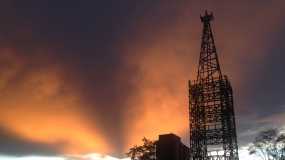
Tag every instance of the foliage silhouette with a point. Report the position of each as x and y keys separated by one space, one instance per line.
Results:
x=269 y=145
x=144 y=152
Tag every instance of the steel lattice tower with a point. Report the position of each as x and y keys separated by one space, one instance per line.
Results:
x=211 y=112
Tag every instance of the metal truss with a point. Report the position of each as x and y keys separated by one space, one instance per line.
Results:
x=211 y=112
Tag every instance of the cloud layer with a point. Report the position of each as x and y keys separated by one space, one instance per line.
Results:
x=86 y=77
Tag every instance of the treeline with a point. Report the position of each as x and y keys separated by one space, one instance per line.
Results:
x=268 y=145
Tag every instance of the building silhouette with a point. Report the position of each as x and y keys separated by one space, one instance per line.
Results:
x=170 y=147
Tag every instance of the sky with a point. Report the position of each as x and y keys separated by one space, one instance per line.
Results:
x=81 y=77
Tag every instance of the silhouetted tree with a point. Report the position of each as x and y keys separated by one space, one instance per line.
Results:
x=144 y=152
x=269 y=145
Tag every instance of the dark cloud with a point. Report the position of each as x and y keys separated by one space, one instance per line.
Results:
x=80 y=38
x=12 y=144
x=126 y=60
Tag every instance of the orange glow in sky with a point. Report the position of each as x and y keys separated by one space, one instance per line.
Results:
x=41 y=104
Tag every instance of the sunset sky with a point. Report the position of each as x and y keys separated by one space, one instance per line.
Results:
x=96 y=76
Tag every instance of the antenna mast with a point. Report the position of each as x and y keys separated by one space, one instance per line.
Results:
x=211 y=111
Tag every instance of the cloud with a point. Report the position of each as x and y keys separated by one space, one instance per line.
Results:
x=39 y=106
x=92 y=156
x=98 y=76
x=12 y=144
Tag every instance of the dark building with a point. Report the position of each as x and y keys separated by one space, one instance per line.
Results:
x=170 y=147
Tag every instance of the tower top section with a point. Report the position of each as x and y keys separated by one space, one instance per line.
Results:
x=209 y=67
x=207 y=17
